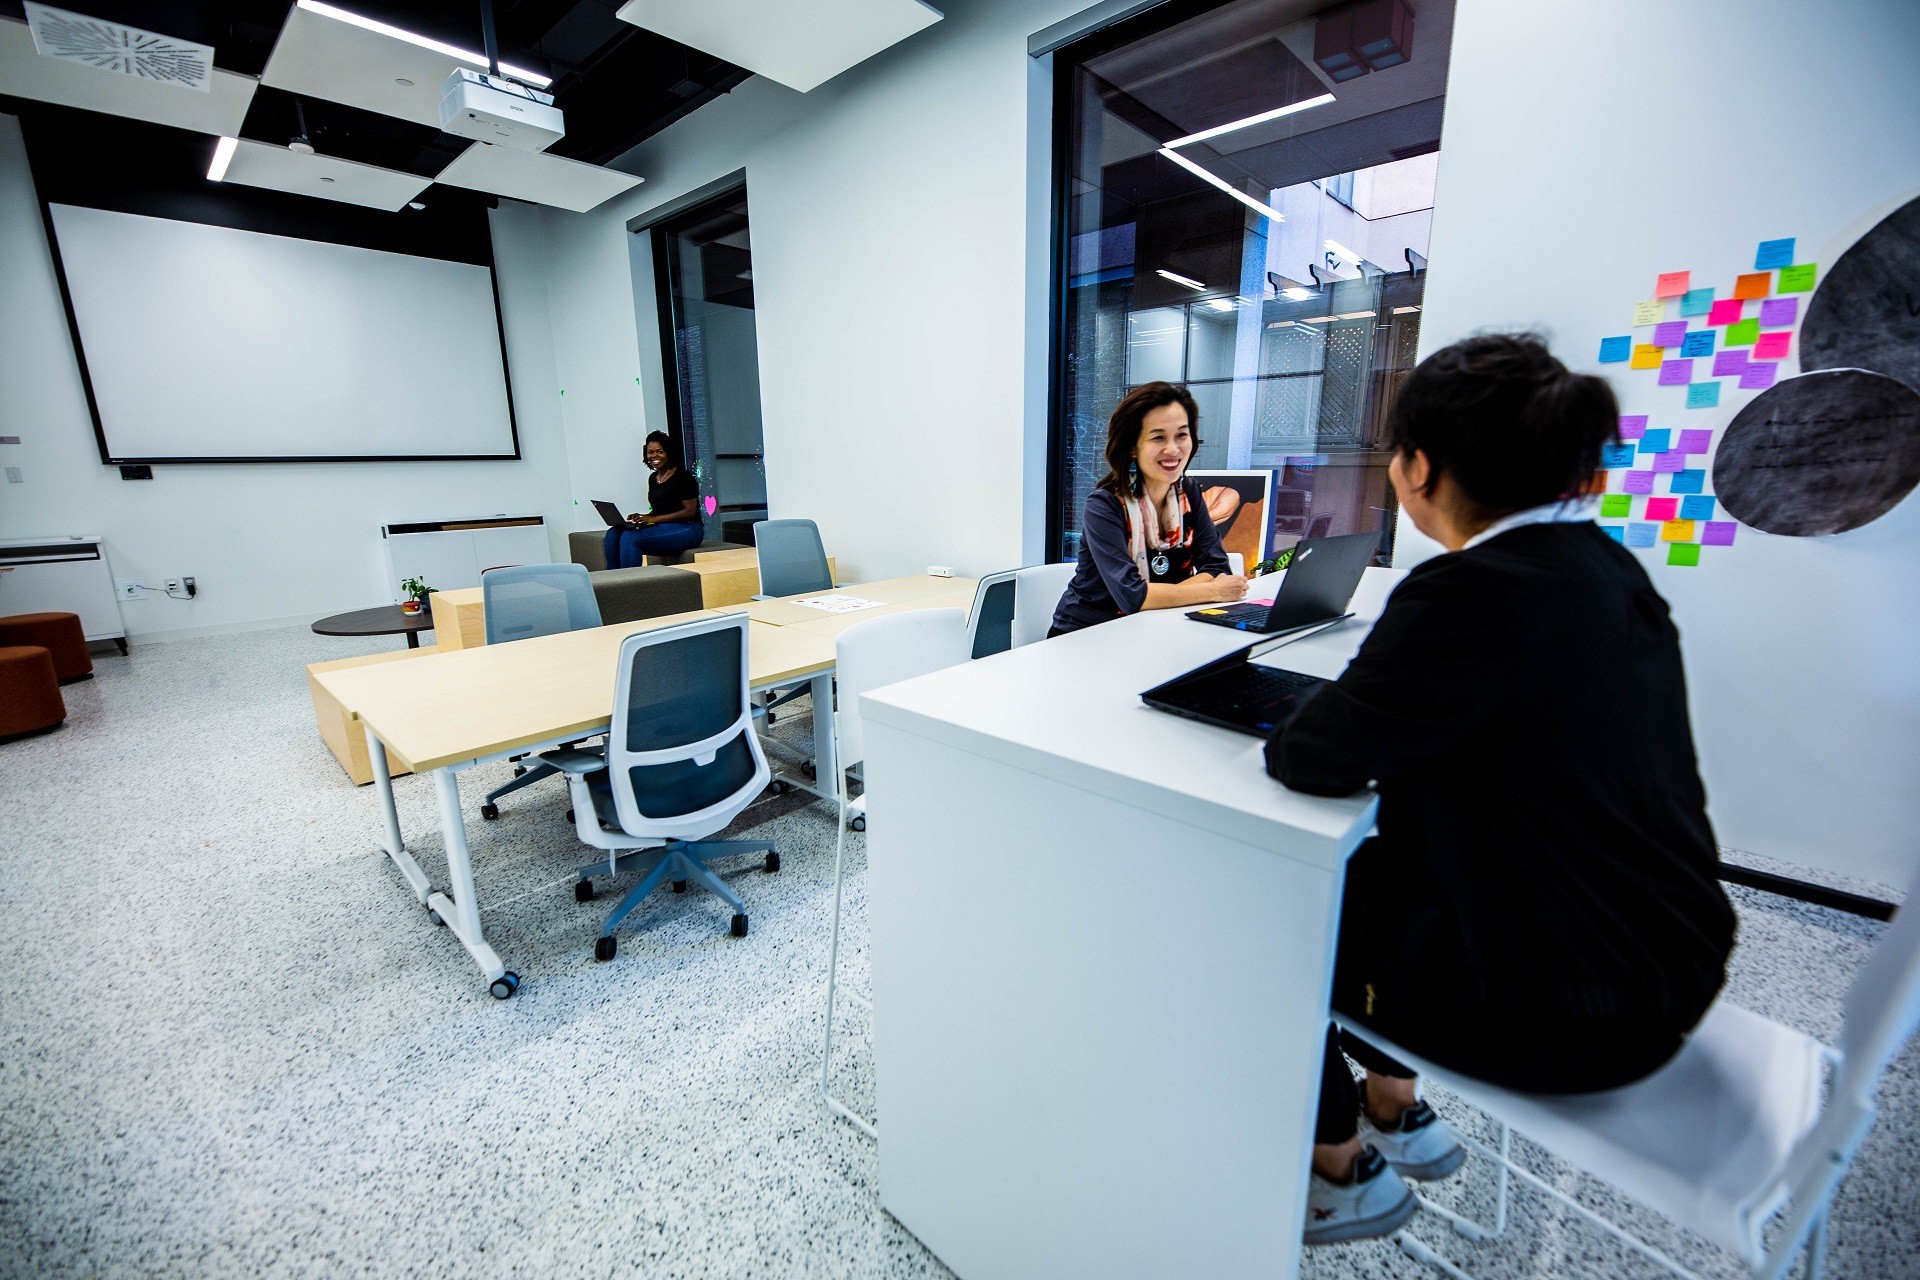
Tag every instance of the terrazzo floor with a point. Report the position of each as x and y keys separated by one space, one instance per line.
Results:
x=232 y=1045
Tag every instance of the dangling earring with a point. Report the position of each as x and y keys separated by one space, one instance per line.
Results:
x=1133 y=477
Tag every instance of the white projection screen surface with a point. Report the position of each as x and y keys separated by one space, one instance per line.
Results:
x=207 y=343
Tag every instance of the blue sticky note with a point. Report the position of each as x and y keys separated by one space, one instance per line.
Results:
x=1688 y=482
x=1773 y=253
x=1614 y=531
x=1616 y=455
x=1697 y=508
x=1703 y=395
x=1614 y=350
x=1656 y=440
x=1697 y=343
x=1641 y=534
x=1696 y=302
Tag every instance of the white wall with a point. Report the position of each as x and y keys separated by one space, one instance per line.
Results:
x=265 y=542
x=1586 y=148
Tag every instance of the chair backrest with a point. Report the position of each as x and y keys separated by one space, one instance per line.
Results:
x=793 y=561
x=1320 y=526
x=990 y=622
x=531 y=600
x=1036 y=594
x=1236 y=564
x=886 y=650
x=682 y=757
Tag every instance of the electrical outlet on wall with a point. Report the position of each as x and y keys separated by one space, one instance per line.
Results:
x=129 y=588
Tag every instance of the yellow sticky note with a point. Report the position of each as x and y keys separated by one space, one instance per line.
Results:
x=1646 y=356
x=1652 y=311
x=1676 y=531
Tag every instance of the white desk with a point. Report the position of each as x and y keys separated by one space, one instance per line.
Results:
x=1102 y=944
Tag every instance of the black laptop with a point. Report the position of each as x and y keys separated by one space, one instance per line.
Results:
x=611 y=514
x=1235 y=693
x=1319 y=586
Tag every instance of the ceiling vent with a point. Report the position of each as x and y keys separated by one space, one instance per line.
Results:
x=129 y=51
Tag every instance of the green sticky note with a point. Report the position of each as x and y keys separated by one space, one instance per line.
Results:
x=1744 y=334
x=1683 y=553
x=1616 y=504
x=1796 y=279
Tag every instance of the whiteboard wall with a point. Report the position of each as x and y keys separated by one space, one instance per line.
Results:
x=207 y=343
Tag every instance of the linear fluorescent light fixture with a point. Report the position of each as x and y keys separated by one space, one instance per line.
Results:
x=222 y=157
x=533 y=78
x=1180 y=279
x=1299 y=293
x=1291 y=108
x=1222 y=183
x=1220 y=304
x=1343 y=253
x=1401 y=311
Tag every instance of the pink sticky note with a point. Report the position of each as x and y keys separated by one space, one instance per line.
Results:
x=1669 y=333
x=1771 y=346
x=1670 y=461
x=1671 y=284
x=1758 y=375
x=1778 y=313
x=1633 y=426
x=1662 y=508
x=1696 y=441
x=1725 y=311
x=1718 y=533
x=1730 y=364
x=1638 y=482
x=1676 y=373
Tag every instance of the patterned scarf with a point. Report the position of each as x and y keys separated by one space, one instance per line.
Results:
x=1156 y=529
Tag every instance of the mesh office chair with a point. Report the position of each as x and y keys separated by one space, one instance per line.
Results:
x=1036 y=594
x=681 y=762
x=793 y=560
x=990 y=622
x=524 y=601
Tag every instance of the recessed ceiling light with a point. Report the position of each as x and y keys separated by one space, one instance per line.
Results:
x=415 y=204
x=1188 y=281
x=403 y=82
x=1222 y=183
x=533 y=78
x=1290 y=109
x=222 y=157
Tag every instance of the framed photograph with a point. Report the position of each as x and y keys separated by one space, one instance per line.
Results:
x=1240 y=503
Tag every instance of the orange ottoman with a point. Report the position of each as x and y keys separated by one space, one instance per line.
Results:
x=30 y=698
x=59 y=634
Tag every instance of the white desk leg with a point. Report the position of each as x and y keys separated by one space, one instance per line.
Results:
x=820 y=689
x=461 y=913
x=395 y=847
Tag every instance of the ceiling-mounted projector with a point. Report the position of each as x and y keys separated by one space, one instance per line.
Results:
x=495 y=109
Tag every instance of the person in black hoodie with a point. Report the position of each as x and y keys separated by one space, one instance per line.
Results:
x=1540 y=907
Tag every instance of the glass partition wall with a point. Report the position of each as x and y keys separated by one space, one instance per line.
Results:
x=1234 y=217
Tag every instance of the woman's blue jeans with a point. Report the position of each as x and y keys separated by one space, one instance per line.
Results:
x=628 y=548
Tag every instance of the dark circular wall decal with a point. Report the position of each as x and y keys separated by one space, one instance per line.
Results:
x=1866 y=313
x=1820 y=453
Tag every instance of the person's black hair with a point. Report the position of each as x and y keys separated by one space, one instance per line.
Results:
x=1129 y=420
x=1510 y=424
x=667 y=443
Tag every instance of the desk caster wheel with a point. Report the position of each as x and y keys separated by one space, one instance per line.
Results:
x=569 y=815
x=773 y=861
x=770 y=718
x=435 y=917
x=781 y=786
x=583 y=891
x=858 y=823
x=604 y=948
x=679 y=886
x=739 y=925
x=806 y=767
x=489 y=811
x=504 y=985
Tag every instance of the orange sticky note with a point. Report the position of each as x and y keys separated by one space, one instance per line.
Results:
x=1676 y=531
x=1646 y=356
x=1671 y=284
x=1757 y=284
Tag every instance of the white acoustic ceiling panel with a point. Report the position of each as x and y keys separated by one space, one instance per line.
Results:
x=800 y=45
x=26 y=73
x=332 y=53
x=535 y=178
x=261 y=164
x=115 y=47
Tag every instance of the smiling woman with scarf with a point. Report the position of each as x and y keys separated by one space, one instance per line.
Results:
x=1146 y=540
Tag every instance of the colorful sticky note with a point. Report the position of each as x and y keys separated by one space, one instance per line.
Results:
x=1617 y=505
x=1614 y=350
x=1671 y=284
x=1638 y=482
x=1771 y=346
x=1613 y=531
x=1652 y=311
x=1676 y=373
x=1692 y=480
x=1685 y=554
x=1779 y=313
x=1729 y=364
x=1725 y=311
x=1698 y=343
x=1758 y=375
x=1797 y=279
x=1669 y=462
x=1744 y=334
x=1773 y=253
x=1696 y=440
x=1698 y=507
x=1669 y=333
x=1646 y=356
x=1642 y=535
x=1662 y=508
x=1696 y=302
x=1616 y=455
x=1677 y=531
x=1656 y=440
x=1719 y=533
x=1633 y=425
x=1755 y=285
x=1703 y=395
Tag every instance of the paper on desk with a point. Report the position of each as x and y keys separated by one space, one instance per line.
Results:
x=836 y=603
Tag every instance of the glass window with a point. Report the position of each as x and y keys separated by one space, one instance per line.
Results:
x=1234 y=220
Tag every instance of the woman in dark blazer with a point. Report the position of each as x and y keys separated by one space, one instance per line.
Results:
x=1540 y=907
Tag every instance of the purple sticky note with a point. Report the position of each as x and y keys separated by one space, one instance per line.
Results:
x=1671 y=461
x=1758 y=375
x=1676 y=373
x=1730 y=364
x=1633 y=425
x=1670 y=333
x=1696 y=441
x=1778 y=313
x=1718 y=533
x=1638 y=482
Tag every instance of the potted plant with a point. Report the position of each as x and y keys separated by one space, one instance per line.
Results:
x=417 y=593
x=1274 y=563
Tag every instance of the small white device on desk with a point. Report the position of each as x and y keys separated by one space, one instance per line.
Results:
x=68 y=573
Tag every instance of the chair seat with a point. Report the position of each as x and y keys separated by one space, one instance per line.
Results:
x=1705 y=1139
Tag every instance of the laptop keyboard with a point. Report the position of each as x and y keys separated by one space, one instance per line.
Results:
x=1256 y=694
x=1254 y=613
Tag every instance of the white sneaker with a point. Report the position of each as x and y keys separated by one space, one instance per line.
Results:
x=1420 y=1146
x=1374 y=1203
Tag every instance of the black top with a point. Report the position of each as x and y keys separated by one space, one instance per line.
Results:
x=1106 y=583
x=669 y=497
x=381 y=620
x=1521 y=709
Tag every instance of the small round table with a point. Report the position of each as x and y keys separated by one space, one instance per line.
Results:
x=386 y=620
